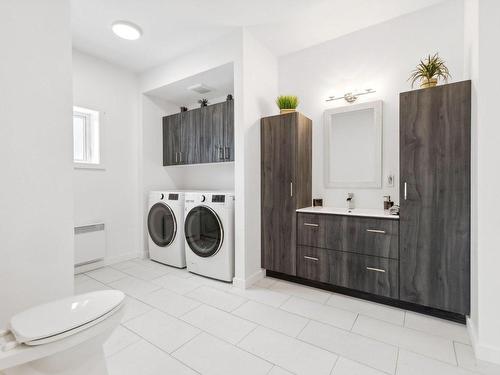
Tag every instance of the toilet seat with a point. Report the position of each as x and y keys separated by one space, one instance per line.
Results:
x=59 y=319
x=72 y=341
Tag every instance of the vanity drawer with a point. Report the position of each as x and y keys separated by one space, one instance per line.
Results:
x=366 y=273
x=313 y=263
x=371 y=236
x=325 y=231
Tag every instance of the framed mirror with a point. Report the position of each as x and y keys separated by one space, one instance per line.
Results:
x=353 y=146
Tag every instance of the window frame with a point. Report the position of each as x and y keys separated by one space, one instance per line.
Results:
x=93 y=150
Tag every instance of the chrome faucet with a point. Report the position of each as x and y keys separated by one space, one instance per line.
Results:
x=350 y=201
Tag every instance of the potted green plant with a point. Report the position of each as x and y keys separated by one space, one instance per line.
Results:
x=287 y=103
x=429 y=71
x=203 y=102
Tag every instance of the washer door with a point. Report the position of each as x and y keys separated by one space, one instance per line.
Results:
x=203 y=231
x=162 y=225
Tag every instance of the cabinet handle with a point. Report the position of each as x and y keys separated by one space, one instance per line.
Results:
x=291 y=189
x=406 y=191
x=375 y=269
x=226 y=156
x=176 y=157
x=311 y=258
x=376 y=231
x=180 y=156
x=221 y=153
x=311 y=225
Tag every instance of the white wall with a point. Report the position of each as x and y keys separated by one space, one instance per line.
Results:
x=379 y=57
x=110 y=195
x=482 y=59
x=260 y=87
x=36 y=192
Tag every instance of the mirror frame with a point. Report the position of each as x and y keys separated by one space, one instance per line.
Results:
x=376 y=106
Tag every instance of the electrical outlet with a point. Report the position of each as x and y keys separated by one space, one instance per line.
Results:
x=389 y=182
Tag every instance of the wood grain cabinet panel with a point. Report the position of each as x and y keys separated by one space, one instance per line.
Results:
x=171 y=139
x=369 y=274
x=363 y=235
x=435 y=197
x=228 y=128
x=201 y=135
x=313 y=264
x=364 y=273
x=190 y=145
x=372 y=236
x=317 y=230
x=286 y=168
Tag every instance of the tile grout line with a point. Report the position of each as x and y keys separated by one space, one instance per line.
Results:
x=245 y=336
x=354 y=323
x=397 y=362
x=259 y=325
x=335 y=365
x=455 y=351
x=303 y=328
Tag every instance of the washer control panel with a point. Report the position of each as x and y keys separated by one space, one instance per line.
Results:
x=218 y=198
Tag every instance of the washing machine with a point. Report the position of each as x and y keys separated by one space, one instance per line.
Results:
x=209 y=234
x=165 y=228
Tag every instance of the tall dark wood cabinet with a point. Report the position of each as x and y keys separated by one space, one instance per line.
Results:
x=286 y=179
x=435 y=197
x=201 y=135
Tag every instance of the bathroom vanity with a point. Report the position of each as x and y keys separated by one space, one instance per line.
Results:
x=355 y=249
x=419 y=260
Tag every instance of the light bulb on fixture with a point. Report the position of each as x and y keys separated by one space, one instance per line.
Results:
x=126 y=30
x=350 y=97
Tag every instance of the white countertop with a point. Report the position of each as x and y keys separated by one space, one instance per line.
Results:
x=367 y=212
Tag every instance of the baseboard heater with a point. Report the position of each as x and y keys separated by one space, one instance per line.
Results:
x=90 y=243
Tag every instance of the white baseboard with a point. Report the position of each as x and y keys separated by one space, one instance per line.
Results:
x=108 y=261
x=482 y=352
x=249 y=281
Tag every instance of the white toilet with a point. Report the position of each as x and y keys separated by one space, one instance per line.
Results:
x=62 y=337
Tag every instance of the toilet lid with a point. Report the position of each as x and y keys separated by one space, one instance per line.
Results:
x=63 y=315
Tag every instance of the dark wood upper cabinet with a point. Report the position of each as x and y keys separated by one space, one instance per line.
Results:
x=171 y=139
x=201 y=135
x=228 y=120
x=435 y=197
x=286 y=167
x=190 y=145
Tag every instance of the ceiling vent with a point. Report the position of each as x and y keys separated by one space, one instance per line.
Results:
x=200 y=88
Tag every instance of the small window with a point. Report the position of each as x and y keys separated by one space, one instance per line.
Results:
x=86 y=148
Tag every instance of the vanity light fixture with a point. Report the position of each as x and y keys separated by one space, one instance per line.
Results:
x=126 y=30
x=350 y=97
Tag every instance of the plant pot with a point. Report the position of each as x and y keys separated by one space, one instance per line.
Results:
x=426 y=83
x=287 y=110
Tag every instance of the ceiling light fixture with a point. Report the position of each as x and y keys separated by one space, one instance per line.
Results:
x=126 y=30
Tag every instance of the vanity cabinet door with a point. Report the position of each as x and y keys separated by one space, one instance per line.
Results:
x=368 y=274
x=286 y=164
x=435 y=196
x=372 y=236
x=278 y=202
x=325 y=231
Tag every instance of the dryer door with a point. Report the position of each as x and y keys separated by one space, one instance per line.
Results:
x=162 y=225
x=203 y=231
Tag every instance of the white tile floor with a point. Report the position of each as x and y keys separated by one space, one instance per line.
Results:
x=179 y=323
